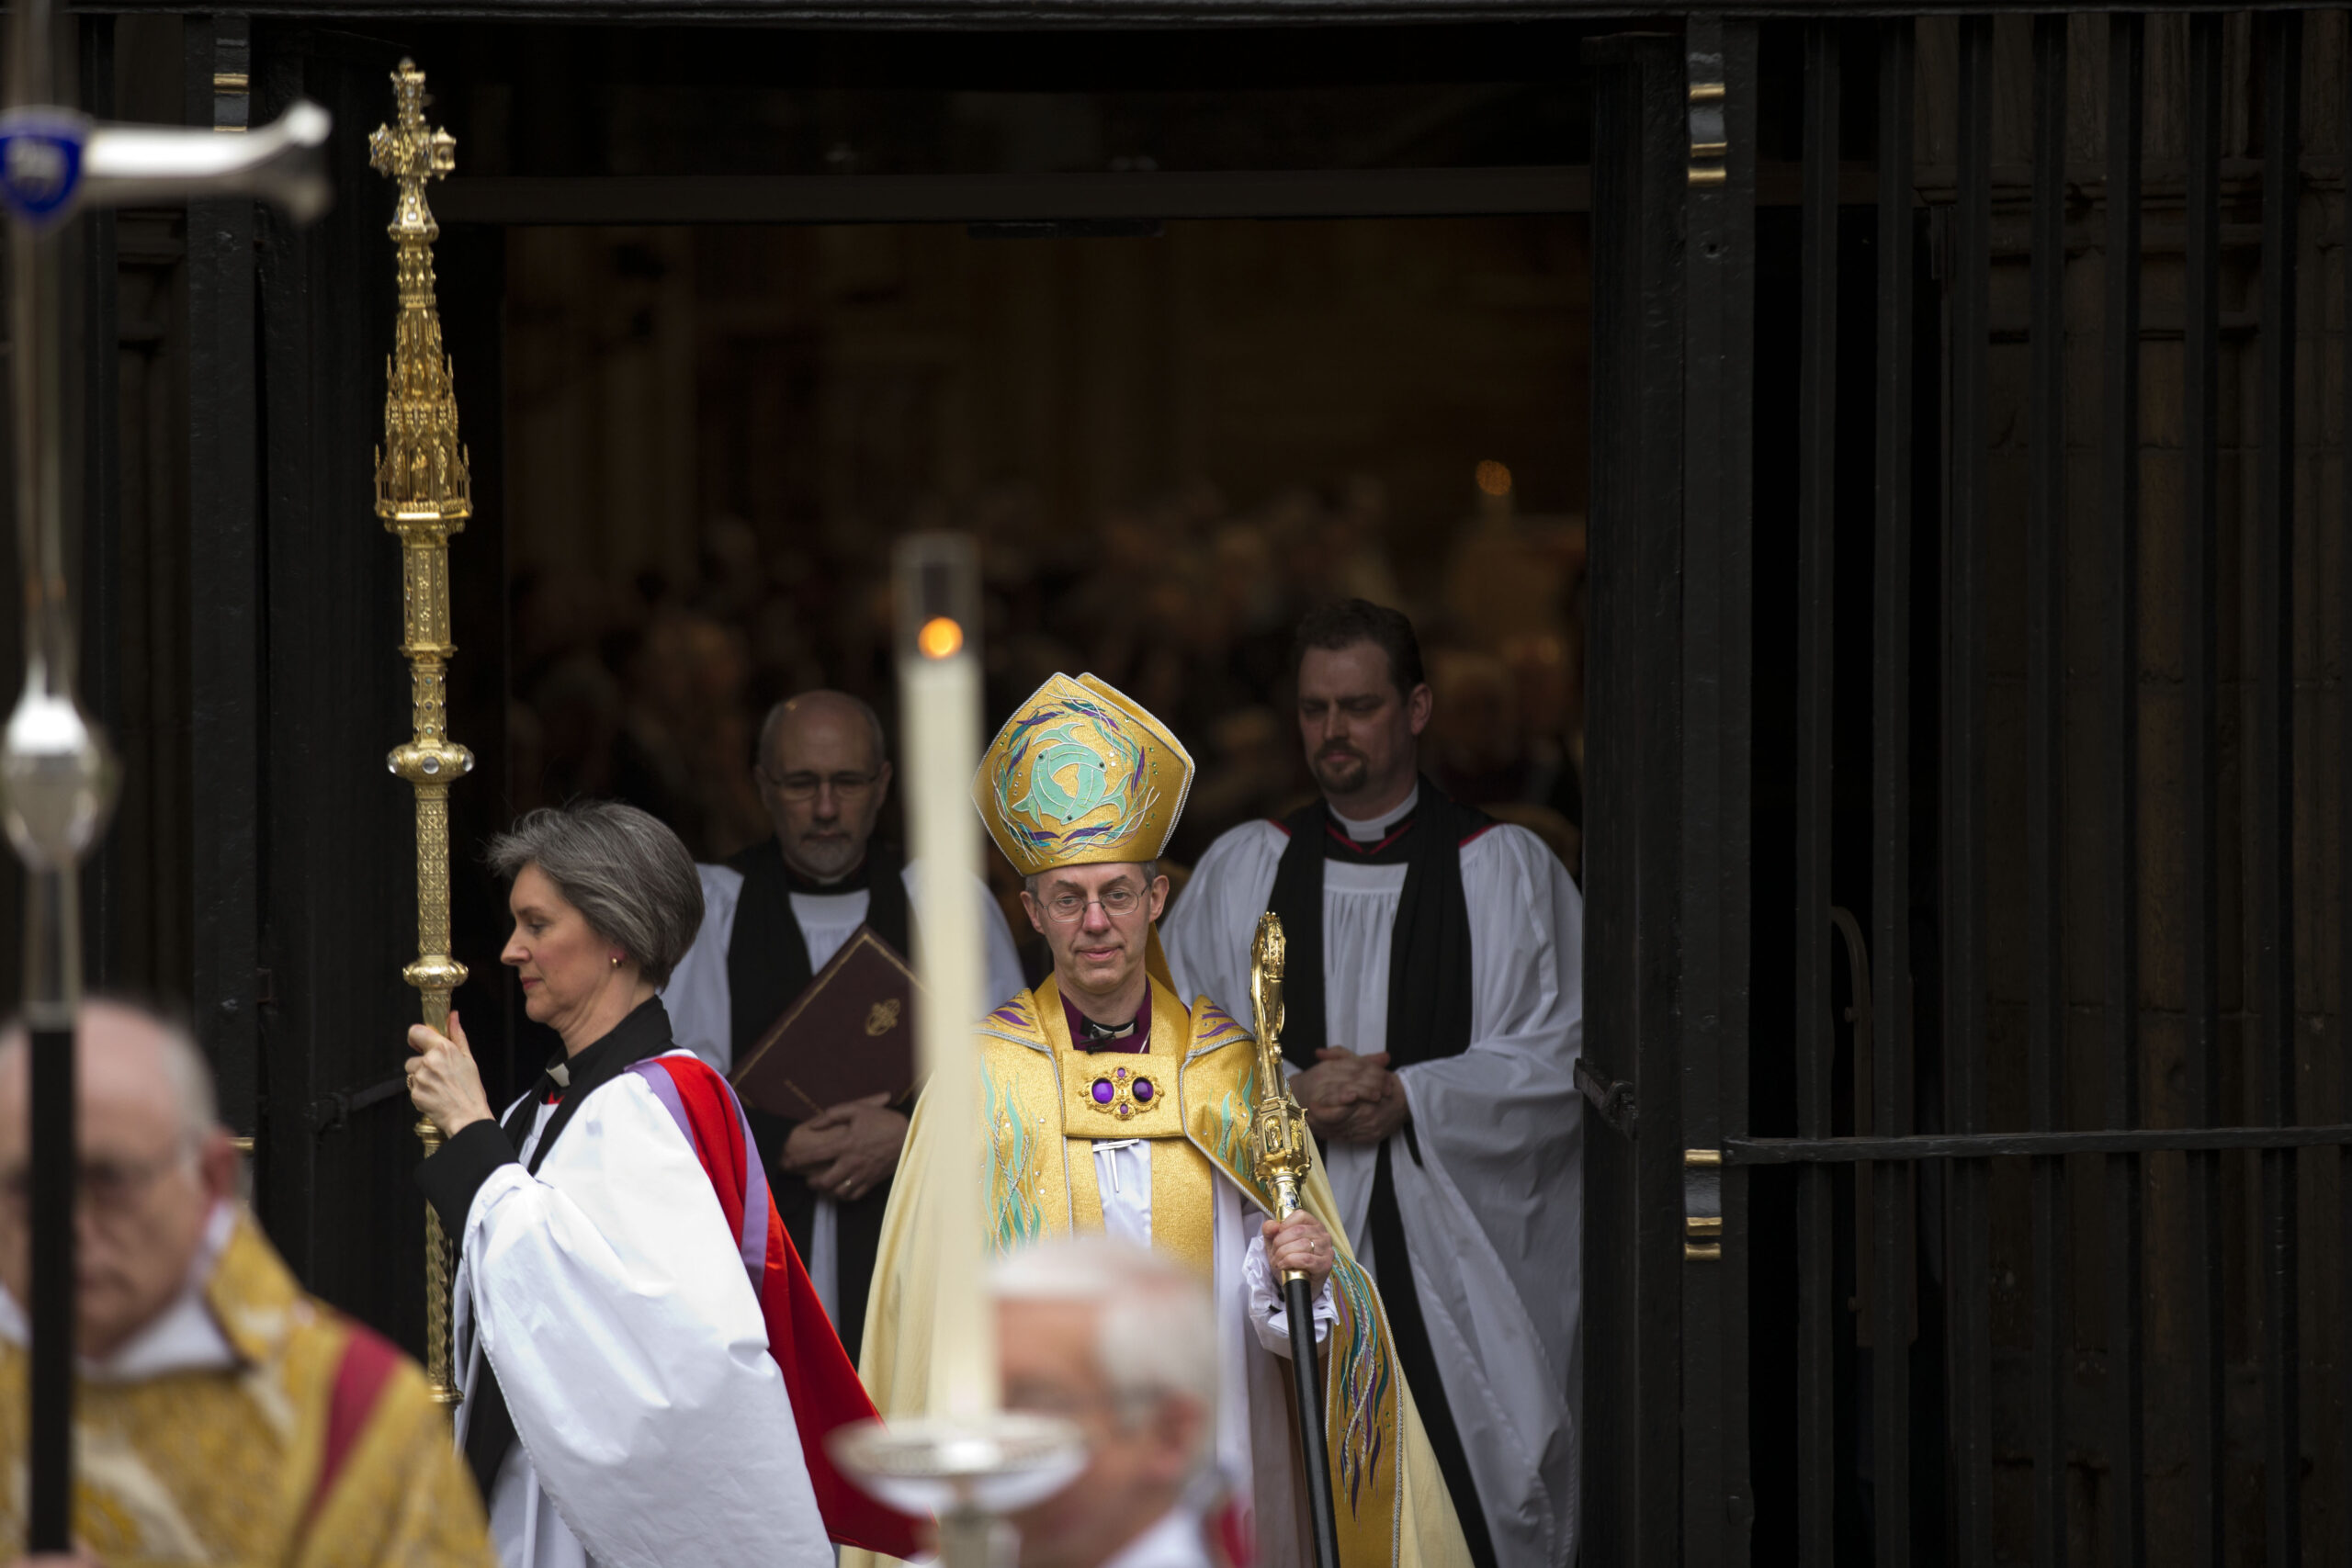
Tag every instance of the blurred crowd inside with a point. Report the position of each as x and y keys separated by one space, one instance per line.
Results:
x=651 y=691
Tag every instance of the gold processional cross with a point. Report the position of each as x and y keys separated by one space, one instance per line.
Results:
x=424 y=493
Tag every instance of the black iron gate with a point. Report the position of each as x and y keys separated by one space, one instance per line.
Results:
x=1971 y=575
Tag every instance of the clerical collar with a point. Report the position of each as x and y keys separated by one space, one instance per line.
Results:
x=855 y=880
x=1379 y=827
x=1133 y=1036
x=647 y=1024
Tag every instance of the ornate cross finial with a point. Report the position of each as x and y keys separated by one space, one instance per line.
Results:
x=409 y=153
x=422 y=485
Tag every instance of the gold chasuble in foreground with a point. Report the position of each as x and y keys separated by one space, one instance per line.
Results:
x=1080 y=775
x=299 y=1440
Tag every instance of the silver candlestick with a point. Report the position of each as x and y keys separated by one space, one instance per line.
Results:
x=968 y=1473
x=965 y=1460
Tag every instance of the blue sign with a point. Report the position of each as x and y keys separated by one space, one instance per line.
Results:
x=40 y=163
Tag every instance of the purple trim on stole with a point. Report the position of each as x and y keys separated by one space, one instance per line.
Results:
x=753 y=1243
x=665 y=1089
x=756 y=1206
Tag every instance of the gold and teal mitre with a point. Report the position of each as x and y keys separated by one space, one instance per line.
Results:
x=1080 y=774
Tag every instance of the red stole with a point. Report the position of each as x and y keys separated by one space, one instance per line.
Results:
x=817 y=1374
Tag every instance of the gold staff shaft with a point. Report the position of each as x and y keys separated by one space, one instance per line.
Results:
x=1278 y=1123
x=424 y=494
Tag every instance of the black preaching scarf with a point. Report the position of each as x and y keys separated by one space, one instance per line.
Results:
x=641 y=1036
x=767 y=956
x=767 y=968
x=1429 y=946
x=1429 y=1018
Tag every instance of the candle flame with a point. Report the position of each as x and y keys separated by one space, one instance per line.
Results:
x=940 y=637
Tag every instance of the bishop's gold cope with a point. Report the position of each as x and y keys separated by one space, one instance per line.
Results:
x=424 y=494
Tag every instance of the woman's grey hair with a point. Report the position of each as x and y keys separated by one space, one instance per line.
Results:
x=619 y=866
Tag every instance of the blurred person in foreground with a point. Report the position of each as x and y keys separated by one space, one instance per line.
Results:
x=1108 y=1106
x=1435 y=1004
x=1070 y=1317
x=775 y=916
x=220 y=1414
x=649 y=1379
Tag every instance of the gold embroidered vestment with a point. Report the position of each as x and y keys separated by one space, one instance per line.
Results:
x=1045 y=1106
x=321 y=1448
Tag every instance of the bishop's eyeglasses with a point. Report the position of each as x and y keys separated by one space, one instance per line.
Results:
x=1070 y=907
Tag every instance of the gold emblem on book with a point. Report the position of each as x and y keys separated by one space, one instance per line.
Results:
x=798 y=1068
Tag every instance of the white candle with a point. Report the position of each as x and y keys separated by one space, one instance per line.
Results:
x=939 y=689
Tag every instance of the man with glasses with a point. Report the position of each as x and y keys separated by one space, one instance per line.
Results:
x=1110 y=1107
x=773 y=917
x=221 y=1415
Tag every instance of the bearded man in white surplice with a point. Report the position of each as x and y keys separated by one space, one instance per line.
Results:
x=1436 y=1007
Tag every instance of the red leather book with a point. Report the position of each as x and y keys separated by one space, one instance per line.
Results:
x=849 y=1035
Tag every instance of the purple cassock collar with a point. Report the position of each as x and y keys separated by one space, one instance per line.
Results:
x=1134 y=1039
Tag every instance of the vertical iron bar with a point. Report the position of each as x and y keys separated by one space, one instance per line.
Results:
x=1891 y=799
x=1610 y=1460
x=1640 y=144
x=2200 y=775
x=1737 y=282
x=1662 y=162
x=2119 y=501
x=1969 y=1354
x=2343 y=1024
x=1816 y=652
x=2274 y=781
x=1705 y=810
x=226 y=670
x=2045 y=783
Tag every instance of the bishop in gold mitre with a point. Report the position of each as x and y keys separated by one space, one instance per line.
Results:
x=220 y=1415
x=1112 y=1107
